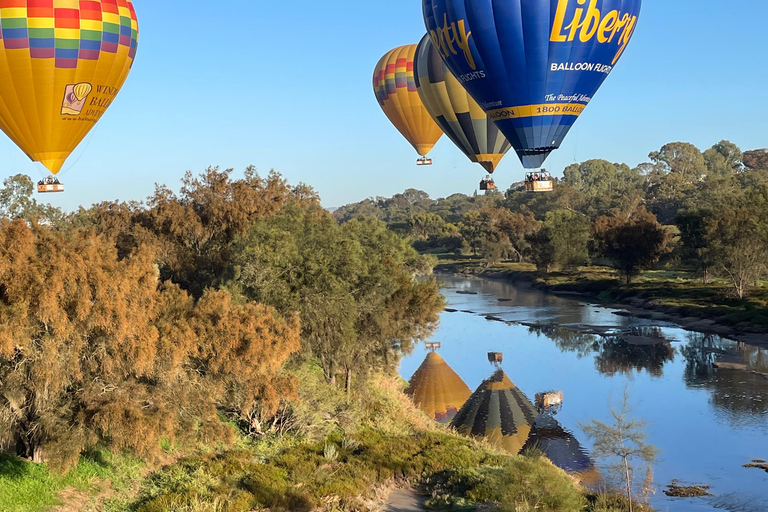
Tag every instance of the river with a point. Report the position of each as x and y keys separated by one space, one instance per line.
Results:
x=704 y=398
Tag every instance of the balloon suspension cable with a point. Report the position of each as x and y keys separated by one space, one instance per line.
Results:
x=87 y=144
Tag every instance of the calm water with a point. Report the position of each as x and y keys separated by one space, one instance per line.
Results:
x=707 y=421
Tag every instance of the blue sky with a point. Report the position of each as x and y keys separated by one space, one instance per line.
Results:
x=286 y=85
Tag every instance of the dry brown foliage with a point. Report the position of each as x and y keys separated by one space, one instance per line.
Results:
x=94 y=348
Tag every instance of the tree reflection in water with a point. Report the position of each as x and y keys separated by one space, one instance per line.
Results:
x=627 y=352
x=739 y=386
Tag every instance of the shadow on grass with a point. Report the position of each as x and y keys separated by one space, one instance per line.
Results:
x=13 y=468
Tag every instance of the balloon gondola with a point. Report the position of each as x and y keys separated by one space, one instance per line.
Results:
x=487 y=184
x=424 y=161
x=49 y=185
x=62 y=63
x=540 y=181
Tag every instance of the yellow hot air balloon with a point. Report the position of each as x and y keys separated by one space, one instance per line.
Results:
x=395 y=88
x=62 y=63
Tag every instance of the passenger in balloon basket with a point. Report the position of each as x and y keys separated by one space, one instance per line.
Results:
x=49 y=180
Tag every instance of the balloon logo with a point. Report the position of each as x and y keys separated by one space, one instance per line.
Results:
x=454 y=110
x=395 y=88
x=74 y=99
x=62 y=63
x=532 y=65
x=82 y=90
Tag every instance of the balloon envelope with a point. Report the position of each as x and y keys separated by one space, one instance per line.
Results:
x=62 y=62
x=532 y=65
x=395 y=89
x=438 y=390
x=454 y=110
x=498 y=412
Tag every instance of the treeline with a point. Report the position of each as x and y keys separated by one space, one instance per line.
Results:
x=125 y=325
x=706 y=211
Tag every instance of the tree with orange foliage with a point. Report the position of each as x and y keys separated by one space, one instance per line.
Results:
x=96 y=349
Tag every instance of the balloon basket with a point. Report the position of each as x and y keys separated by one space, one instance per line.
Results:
x=539 y=181
x=424 y=161
x=488 y=184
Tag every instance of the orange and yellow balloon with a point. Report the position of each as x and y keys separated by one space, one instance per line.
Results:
x=395 y=87
x=62 y=63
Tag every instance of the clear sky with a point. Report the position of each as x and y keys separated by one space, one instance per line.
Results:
x=286 y=85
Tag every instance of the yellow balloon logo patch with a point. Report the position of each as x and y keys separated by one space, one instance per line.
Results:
x=74 y=98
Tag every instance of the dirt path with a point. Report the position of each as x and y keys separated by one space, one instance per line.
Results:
x=404 y=500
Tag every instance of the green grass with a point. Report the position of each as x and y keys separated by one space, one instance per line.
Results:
x=339 y=448
x=302 y=478
x=28 y=487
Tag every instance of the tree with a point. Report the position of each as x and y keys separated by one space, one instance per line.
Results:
x=353 y=286
x=632 y=245
x=757 y=159
x=541 y=250
x=681 y=158
x=738 y=238
x=694 y=234
x=195 y=230
x=623 y=441
x=17 y=202
x=96 y=349
x=569 y=235
x=723 y=159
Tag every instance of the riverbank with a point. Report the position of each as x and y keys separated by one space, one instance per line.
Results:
x=658 y=295
x=334 y=452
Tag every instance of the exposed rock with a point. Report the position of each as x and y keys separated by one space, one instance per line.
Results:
x=684 y=491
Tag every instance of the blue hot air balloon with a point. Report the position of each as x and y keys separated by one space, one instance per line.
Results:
x=532 y=65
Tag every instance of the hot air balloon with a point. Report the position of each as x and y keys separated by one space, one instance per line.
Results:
x=532 y=65
x=62 y=63
x=454 y=110
x=437 y=390
x=498 y=412
x=395 y=88
x=563 y=450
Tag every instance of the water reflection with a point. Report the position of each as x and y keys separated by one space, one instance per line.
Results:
x=707 y=410
x=636 y=349
x=735 y=373
x=437 y=390
x=562 y=448
x=498 y=412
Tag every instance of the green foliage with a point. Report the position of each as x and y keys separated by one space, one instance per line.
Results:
x=568 y=232
x=632 y=244
x=30 y=487
x=622 y=443
x=521 y=484
x=677 y=182
x=737 y=239
x=352 y=286
x=17 y=202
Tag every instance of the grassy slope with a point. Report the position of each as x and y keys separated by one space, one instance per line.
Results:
x=30 y=487
x=340 y=449
x=669 y=291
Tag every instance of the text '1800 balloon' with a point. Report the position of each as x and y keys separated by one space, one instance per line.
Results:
x=532 y=65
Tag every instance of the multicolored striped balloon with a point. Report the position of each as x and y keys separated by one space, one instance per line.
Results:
x=62 y=63
x=454 y=110
x=395 y=88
